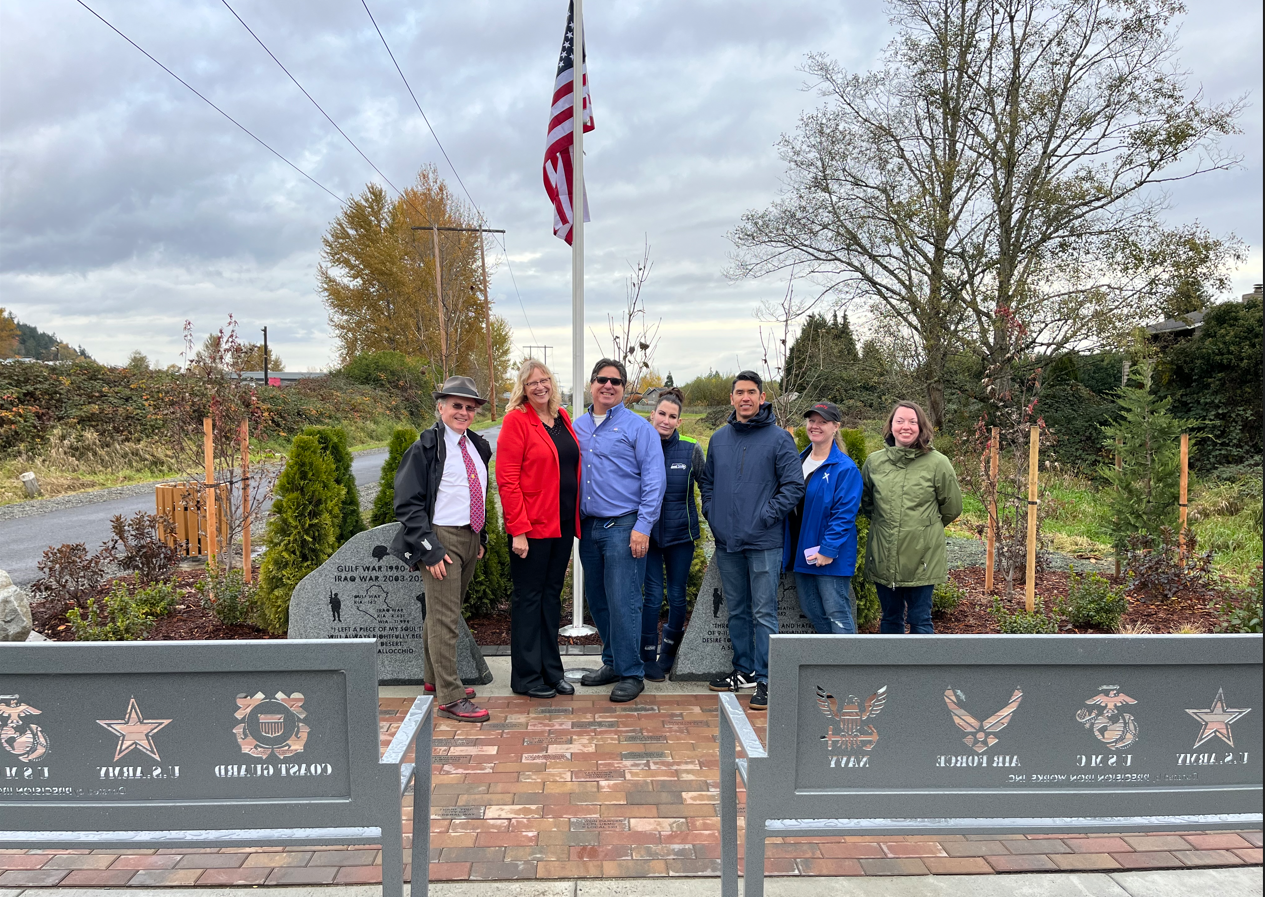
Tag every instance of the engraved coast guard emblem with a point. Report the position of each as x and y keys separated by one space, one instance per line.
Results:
x=271 y=725
x=18 y=735
x=850 y=715
x=980 y=736
x=1110 y=725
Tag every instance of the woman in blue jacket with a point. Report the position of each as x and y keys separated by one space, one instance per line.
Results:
x=821 y=534
x=671 y=540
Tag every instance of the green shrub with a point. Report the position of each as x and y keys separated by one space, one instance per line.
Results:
x=227 y=595
x=384 y=502
x=1023 y=623
x=854 y=445
x=301 y=531
x=1243 y=615
x=1094 y=602
x=114 y=617
x=155 y=599
x=801 y=438
x=333 y=442
x=946 y=597
x=491 y=586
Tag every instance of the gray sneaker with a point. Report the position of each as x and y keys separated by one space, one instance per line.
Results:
x=733 y=682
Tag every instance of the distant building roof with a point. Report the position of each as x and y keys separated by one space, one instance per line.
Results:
x=284 y=377
x=1191 y=321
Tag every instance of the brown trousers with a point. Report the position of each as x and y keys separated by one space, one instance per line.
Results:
x=443 y=611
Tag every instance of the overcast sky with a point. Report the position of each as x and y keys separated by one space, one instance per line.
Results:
x=128 y=205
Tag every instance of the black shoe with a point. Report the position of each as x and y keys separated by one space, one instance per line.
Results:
x=733 y=682
x=650 y=662
x=627 y=690
x=760 y=700
x=604 y=676
x=563 y=687
x=540 y=691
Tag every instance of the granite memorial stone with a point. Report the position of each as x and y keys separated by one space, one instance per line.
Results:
x=15 y=611
x=706 y=651
x=362 y=591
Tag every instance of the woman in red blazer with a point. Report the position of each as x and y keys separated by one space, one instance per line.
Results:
x=538 y=478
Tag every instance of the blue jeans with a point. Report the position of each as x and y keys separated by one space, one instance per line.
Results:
x=749 y=581
x=905 y=603
x=612 y=586
x=826 y=601
x=676 y=559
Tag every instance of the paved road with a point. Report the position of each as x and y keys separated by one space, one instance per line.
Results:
x=22 y=541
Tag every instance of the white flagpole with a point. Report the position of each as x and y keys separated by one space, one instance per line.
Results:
x=578 y=202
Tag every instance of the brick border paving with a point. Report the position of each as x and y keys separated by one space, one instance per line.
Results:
x=580 y=788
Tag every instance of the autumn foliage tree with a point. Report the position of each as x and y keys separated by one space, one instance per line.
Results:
x=8 y=335
x=377 y=278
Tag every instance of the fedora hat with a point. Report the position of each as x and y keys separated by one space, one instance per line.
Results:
x=462 y=387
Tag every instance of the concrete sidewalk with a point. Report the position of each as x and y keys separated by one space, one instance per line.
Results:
x=1244 y=882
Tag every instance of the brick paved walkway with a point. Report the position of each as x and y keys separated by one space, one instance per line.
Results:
x=580 y=788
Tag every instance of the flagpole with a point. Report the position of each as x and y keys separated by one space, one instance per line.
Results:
x=578 y=627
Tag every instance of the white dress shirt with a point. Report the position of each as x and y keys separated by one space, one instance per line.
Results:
x=452 y=504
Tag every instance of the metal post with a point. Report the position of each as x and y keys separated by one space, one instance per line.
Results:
x=728 y=808
x=265 y=356
x=578 y=626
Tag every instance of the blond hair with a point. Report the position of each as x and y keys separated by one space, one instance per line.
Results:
x=518 y=396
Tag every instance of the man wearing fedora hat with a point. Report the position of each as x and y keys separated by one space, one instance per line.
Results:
x=440 y=489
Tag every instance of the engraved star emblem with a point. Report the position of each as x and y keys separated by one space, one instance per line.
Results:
x=1216 y=720
x=134 y=731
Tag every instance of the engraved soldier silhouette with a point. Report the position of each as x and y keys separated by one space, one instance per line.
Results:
x=335 y=607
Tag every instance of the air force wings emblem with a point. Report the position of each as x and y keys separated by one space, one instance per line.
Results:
x=980 y=736
x=849 y=716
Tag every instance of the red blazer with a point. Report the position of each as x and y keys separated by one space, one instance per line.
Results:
x=527 y=475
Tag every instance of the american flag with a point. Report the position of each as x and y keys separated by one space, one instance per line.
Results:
x=558 y=147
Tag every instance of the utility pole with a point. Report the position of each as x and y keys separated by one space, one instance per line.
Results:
x=544 y=353
x=487 y=299
x=265 y=356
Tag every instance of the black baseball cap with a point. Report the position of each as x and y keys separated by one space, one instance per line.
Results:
x=828 y=410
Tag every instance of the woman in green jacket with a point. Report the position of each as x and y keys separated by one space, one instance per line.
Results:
x=910 y=493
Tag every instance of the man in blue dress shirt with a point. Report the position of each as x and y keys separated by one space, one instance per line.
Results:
x=621 y=491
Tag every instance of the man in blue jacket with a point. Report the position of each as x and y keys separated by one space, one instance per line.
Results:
x=751 y=481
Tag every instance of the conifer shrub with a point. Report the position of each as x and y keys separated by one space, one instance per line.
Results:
x=302 y=528
x=869 y=611
x=384 y=502
x=333 y=441
x=491 y=586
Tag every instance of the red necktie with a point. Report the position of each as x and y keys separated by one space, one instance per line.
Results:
x=476 y=488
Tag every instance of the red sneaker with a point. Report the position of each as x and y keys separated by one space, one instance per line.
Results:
x=464 y=711
x=429 y=688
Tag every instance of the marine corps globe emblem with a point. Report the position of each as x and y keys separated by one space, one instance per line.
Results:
x=271 y=726
x=19 y=736
x=850 y=714
x=1110 y=725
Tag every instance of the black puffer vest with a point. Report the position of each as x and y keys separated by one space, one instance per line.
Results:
x=678 y=521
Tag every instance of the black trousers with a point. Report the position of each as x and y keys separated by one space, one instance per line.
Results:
x=536 y=612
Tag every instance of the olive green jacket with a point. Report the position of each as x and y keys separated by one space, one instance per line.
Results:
x=910 y=498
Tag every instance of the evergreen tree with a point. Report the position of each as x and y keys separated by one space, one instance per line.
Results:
x=1148 y=439
x=302 y=528
x=490 y=589
x=333 y=441
x=384 y=502
x=669 y=383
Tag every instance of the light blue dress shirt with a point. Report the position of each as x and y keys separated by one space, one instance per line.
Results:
x=622 y=467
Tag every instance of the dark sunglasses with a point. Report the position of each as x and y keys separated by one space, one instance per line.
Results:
x=460 y=406
x=613 y=381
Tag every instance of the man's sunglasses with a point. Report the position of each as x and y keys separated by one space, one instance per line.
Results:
x=613 y=381
x=460 y=406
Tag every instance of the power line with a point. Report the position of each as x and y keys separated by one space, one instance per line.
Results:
x=245 y=129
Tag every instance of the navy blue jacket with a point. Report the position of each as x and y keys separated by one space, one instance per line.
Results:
x=828 y=517
x=678 y=520
x=752 y=479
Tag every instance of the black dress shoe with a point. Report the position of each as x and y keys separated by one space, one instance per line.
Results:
x=540 y=691
x=604 y=676
x=563 y=687
x=627 y=690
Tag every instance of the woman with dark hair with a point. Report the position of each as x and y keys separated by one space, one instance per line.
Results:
x=538 y=479
x=910 y=493
x=671 y=540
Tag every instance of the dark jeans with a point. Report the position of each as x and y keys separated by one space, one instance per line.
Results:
x=536 y=612
x=749 y=580
x=612 y=587
x=826 y=601
x=676 y=560
x=905 y=603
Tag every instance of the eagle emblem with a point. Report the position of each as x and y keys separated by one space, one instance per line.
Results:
x=1110 y=725
x=980 y=736
x=850 y=714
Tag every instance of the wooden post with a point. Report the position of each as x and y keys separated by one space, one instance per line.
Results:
x=439 y=303
x=1181 y=497
x=1124 y=381
x=487 y=325
x=1030 y=584
x=245 y=437
x=990 y=545
x=208 y=452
